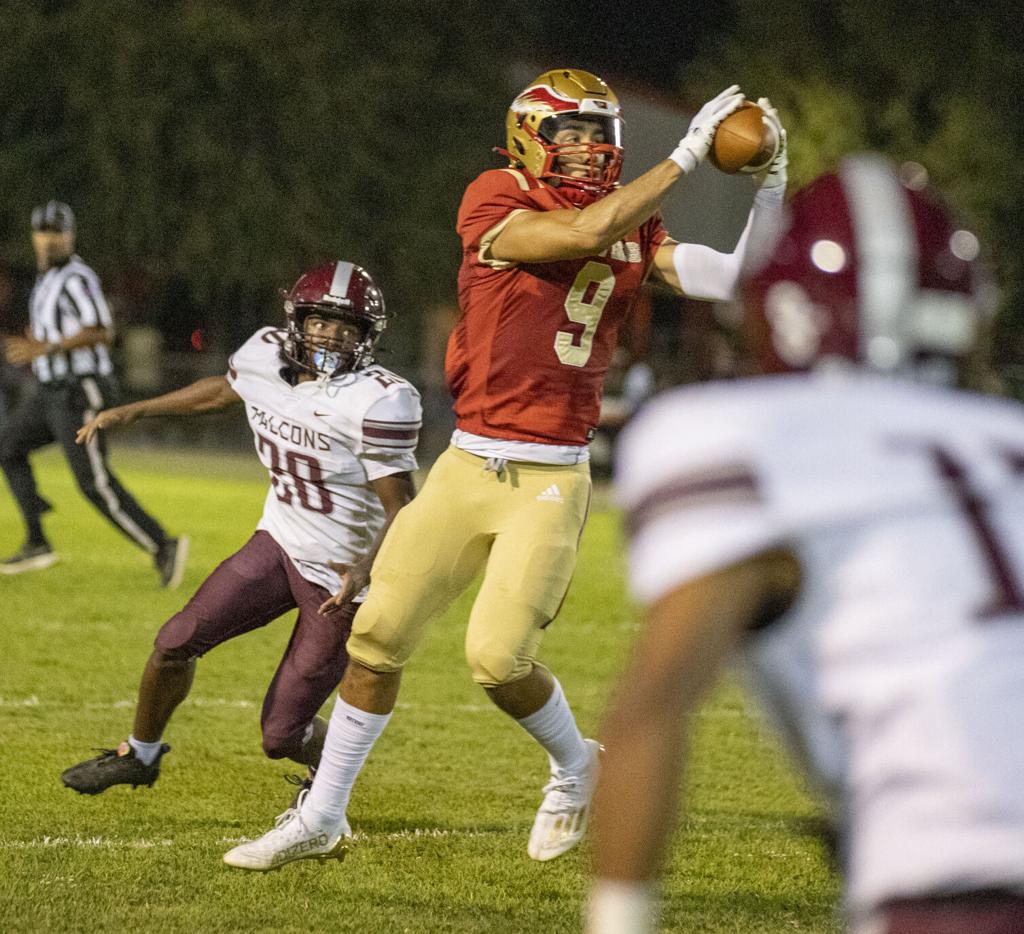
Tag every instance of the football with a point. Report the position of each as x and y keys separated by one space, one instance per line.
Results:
x=744 y=141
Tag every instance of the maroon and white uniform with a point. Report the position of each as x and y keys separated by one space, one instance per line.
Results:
x=324 y=441
x=898 y=675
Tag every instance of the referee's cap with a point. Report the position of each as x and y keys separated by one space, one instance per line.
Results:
x=55 y=216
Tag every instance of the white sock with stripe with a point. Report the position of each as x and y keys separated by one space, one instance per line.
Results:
x=554 y=727
x=351 y=734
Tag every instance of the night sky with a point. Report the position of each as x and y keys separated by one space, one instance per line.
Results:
x=648 y=43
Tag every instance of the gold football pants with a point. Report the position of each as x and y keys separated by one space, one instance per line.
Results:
x=521 y=527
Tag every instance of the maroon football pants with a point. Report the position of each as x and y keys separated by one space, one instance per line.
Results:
x=248 y=590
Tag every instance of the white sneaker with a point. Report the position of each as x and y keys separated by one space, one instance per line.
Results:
x=562 y=817
x=291 y=839
x=30 y=558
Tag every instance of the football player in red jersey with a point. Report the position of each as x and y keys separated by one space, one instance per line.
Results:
x=850 y=528
x=554 y=252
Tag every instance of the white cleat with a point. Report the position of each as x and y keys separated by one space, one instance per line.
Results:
x=290 y=840
x=563 y=815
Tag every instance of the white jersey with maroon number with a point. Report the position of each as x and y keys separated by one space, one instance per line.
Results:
x=323 y=442
x=898 y=675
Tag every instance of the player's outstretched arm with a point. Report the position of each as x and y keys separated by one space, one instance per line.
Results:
x=684 y=642
x=394 y=491
x=548 y=236
x=698 y=271
x=205 y=395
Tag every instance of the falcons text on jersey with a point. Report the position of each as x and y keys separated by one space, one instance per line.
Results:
x=323 y=442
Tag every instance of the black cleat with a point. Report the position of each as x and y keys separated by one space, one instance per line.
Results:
x=30 y=558
x=170 y=561
x=302 y=783
x=113 y=767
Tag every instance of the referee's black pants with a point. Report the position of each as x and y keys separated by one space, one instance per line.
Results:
x=54 y=412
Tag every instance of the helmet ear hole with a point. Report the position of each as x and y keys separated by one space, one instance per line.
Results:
x=519 y=147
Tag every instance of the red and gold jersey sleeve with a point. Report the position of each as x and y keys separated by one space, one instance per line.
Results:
x=652 y=235
x=490 y=201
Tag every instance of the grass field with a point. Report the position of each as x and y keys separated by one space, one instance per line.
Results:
x=441 y=812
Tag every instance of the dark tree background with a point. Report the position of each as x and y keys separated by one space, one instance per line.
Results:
x=939 y=83
x=213 y=150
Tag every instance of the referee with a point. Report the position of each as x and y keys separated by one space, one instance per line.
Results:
x=67 y=344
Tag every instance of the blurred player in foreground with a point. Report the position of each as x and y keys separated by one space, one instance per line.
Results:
x=338 y=434
x=854 y=532
x=554 y=252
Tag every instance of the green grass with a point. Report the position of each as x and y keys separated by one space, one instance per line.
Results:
x=441 y=812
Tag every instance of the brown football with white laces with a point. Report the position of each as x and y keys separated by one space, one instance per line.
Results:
x=744 y=141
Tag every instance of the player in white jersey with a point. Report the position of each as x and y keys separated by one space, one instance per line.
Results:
x=337 y=433
x=855 y=535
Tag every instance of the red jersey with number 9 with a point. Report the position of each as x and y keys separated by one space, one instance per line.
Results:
x=527 y=358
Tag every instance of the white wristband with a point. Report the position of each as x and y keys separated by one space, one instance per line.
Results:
x=684 y=156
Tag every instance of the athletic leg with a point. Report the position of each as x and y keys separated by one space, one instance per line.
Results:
x=528 y=573
x=166 y=682
x=415 y=578
x=245 y=592
x=432 y=552
x=310 y=671
x=89 y=464
x=24 y=429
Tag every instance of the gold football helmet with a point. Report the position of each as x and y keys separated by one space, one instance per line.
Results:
x=557 y=100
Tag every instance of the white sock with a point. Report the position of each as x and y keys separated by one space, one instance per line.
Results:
x=351 y=734
x=554 y=727
x=620 y=908
x=144 y=752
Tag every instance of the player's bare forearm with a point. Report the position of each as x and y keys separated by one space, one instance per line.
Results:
x=643 y=733
x=205 y=395
x=624 y=210
x=684 y=642
x=631 y=830
x=549 y=236
x=394 y=492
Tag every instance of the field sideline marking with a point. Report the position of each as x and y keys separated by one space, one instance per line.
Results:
x=416 y=833
x=33 y=700
x=99 y=842
x=106 y=843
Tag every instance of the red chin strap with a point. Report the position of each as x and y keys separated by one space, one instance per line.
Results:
x=580 y=191
x=603 y=177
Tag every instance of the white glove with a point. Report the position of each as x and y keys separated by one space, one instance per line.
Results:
x=694 y=146
x=773 y=176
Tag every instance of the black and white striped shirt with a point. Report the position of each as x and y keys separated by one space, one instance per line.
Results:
x=65 y=300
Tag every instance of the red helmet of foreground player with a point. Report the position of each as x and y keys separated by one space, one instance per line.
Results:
x=872 y=269
x=338 y=291
x=557 y=100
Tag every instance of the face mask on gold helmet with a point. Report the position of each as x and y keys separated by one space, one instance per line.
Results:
x=560 y=99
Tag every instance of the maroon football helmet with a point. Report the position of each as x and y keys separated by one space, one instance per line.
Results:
x=338 y=291
x=871 y=269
